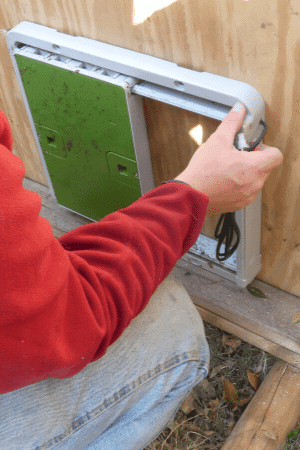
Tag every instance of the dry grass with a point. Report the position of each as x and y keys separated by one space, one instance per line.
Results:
x=205 y=419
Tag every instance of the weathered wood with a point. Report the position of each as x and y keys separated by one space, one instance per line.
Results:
x=254 y=42
x=270 y=317
x=272 y=413
x=248 y=336
x=265 y=323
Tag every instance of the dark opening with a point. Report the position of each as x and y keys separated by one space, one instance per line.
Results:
x=121 y=168
x=50 y=139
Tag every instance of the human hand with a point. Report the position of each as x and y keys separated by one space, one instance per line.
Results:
x=230 y=178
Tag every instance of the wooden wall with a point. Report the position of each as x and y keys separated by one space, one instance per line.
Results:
x=251 y=41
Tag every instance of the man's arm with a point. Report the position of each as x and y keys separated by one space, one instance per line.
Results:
x=64 y=301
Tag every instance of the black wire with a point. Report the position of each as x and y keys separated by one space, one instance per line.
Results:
x=230 y=226
x=227 y=233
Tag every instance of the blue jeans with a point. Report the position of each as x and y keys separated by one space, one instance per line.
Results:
x=126 y=398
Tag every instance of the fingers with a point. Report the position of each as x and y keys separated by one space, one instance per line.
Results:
x=232 y=122
x=267 y=157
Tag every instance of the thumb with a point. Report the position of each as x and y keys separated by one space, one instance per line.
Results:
x=267 y=157
x=232 y=123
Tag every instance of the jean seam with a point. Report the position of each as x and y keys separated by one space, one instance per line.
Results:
x=118 y=396
x=169 y=421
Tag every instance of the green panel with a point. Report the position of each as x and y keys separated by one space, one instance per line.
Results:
x=85 y=135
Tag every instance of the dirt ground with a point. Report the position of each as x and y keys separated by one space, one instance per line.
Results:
x=213 y=407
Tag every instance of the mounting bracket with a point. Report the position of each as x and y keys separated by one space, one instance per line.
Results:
x=67 y=82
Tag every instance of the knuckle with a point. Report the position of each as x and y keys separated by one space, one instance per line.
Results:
x=259 y=185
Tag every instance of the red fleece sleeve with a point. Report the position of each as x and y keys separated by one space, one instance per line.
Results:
x=64 y=301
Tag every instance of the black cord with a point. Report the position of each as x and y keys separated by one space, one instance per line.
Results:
x=254 y=144
x=227 y=233
x=229 y=223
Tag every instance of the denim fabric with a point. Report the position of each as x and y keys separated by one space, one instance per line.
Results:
x=126 y=398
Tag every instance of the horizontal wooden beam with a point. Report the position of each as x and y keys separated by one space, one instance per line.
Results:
x=247 y=336
x=263 y=322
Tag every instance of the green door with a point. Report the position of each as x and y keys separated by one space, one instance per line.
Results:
x=85 y=134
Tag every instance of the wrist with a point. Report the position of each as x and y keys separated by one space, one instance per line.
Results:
x=181 y=177
x=175 y=181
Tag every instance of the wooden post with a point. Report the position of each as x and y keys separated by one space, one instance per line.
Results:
x=272 y=413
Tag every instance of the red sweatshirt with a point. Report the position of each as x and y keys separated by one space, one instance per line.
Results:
x=64 y=301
